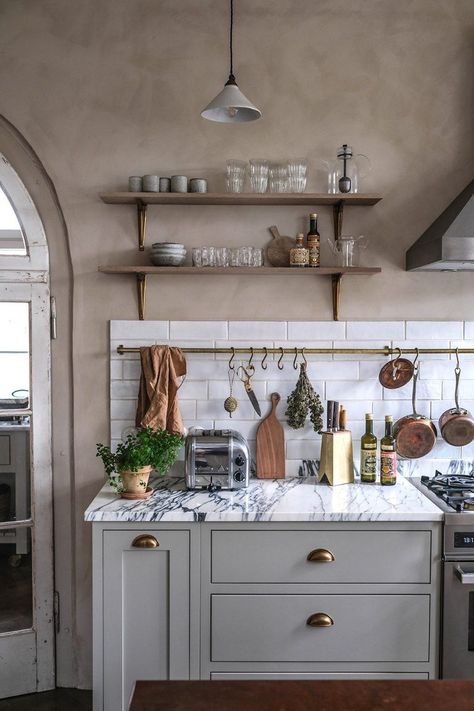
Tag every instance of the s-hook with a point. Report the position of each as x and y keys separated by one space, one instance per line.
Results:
x=249 y=364
x=305 y=362
x=263 y=364
x=231 y=366
x=295 y=364
x=280 y=364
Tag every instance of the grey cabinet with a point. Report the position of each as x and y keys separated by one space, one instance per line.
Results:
x=143 y=609
x=233 y=601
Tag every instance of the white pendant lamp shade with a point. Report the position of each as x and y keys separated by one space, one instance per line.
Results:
x=231 y=106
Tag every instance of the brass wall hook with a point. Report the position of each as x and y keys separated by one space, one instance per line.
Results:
x=251 y=358
x=264 y=365
x=231 y=366
x=280 y=364
x=295 y=359
x=305 y=362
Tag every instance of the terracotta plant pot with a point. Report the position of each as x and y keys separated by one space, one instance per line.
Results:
x=136 y=482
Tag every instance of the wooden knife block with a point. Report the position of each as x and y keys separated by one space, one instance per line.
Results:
x=336 y=464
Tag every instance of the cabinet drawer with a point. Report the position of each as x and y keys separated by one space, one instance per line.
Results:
x=5 y=453
x=359 y=556
x=273 y=628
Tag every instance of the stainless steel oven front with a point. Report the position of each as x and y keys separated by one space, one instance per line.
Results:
x=458 y=598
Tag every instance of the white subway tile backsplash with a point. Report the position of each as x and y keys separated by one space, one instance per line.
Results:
x=469 y=329
x=304 y=331
x=197 y=330
x=116 y=370
x=126 y=330
x=352 y=379
x=434 y=329
x=376 y=330
x=333 y=370
x=193 y=390
x=124 y=389
x=255 y=331
x=354 y=390
x=425 y=390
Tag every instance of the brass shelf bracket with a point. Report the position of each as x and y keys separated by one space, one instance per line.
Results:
x=141 y=294
x=336 y=295
x=141 y=219
x=337 y=214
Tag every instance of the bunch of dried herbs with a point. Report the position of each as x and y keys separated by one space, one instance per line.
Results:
x=303 y=401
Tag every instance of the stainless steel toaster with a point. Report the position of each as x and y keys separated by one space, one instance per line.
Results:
x=216 y=459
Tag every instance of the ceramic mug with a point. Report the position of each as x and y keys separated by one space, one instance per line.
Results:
x=179 y=184
x=151 y=183
x=198 y=185
x=135 y=184
x=165 y=185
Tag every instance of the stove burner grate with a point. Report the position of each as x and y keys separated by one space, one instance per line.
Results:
x=455 y=490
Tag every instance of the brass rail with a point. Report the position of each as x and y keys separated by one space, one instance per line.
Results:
x=385 y=351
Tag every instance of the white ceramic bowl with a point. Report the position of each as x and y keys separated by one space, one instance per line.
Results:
x=167 y=245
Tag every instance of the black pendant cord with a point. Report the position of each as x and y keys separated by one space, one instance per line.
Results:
x=231 y=79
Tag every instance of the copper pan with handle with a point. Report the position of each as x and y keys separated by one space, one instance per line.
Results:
x=457 y=423
x=415 y=435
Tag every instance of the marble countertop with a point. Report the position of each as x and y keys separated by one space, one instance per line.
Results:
x=290 y=499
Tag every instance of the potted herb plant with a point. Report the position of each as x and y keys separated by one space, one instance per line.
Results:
x=129 y=467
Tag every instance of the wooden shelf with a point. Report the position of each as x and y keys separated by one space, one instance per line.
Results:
x=142 y=200
x=336 y=274
x=126 y=198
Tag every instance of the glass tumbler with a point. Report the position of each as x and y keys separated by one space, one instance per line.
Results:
x=297 y=174
x=222 y=256
x=197 y=257
x=257 y=257
x=235 y=176
x=235 y=257
x=208 y=256
x=278 y=178
x=258 y=172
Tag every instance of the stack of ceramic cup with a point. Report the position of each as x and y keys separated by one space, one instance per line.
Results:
x=168 y=254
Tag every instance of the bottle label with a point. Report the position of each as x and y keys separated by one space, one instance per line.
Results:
x=368 y=464
x=298 y=257
x=314 y=255
x=388 y=466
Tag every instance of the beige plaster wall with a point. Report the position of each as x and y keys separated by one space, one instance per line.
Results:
x=107 y=88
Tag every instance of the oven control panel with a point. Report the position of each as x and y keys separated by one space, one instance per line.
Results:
x=464 y=539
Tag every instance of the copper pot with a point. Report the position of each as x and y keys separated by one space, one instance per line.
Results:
x=415 y=435
x=457 y=424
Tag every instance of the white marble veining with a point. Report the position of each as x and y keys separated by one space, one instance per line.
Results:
x=291 y=499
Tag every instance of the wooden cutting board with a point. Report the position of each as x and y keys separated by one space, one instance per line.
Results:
x=271 y=445
x=278 y=250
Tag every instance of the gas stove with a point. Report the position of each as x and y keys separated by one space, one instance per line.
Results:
x=453 y=493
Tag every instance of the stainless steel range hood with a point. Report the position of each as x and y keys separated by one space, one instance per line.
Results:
x=448 y=244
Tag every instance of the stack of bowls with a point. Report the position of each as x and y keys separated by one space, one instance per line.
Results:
x=168 y=254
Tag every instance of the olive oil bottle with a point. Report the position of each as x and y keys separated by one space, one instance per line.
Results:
x=368 y=452
x=388 y=455
x=313 y=239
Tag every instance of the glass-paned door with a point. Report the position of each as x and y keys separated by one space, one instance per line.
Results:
x=26 y=555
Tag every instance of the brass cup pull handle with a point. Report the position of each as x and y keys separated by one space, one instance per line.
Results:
x=319 y=619
x=321 y=555
x=145 y=541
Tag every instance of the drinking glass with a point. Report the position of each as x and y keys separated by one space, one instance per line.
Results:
x=257 y=257
x=235 y=176
x=297 y=174
x=197 y=257
x=222 y=256
x=278 y=178
x=258 y=172
x=235 y=257
x=208 y=255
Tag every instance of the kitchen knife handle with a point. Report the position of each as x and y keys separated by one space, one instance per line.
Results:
x=319 y=619
x=335 y=416
x=329 y=414
x=342 y=419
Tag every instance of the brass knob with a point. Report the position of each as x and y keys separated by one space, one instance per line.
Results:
x=145 y=541
x=321 y=555
x=319 y=619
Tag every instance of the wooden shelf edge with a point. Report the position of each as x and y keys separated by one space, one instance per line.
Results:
x=127 y=198
x=235 y=271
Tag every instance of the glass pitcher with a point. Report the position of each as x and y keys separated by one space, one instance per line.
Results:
x=357 y=166
x=347 y=248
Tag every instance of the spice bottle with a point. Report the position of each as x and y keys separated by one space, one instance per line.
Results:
x=314 y=241
x=299 y=255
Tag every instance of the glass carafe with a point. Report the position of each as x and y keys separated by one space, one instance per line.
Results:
x=347 y=248
x=344 y=173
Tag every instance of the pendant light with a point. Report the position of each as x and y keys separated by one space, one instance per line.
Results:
x=230 y=105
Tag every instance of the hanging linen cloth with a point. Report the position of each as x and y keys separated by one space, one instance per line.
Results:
x=162 y=374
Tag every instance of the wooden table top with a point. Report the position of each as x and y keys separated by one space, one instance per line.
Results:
x=361 y=695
